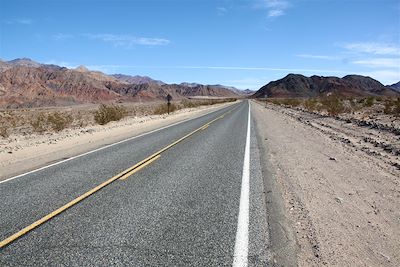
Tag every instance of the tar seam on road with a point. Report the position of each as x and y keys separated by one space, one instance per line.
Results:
x=95 y=150
x=242 y=234
x=126 y=173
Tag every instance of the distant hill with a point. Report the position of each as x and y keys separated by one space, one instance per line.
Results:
x=25 y=83
x=296 y=85
x=136 y=79
x=26 y=62
x=235 y=90
x=395 y=86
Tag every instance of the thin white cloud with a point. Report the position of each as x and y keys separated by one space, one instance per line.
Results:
x=386 y=77
x=323 y=57
x=276 y=8
x=128 y=41
x=275 y=13
x=222 y=10
x=281 y=4
x=297 y=70
x=373 y=48
x=379 y=62
x=262 y=69
x=62 y=36
x=61 y=63
x=247 y=83
x=23 y=21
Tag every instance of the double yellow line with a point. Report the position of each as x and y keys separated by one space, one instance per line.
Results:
x=122 y=176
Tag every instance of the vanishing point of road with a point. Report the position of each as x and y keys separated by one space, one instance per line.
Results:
x=190 y=194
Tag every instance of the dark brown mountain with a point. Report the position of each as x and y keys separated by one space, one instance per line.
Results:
x=395 y=86
x=296 y=85
x=25 y=83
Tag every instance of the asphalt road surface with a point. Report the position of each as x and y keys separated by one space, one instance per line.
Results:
x=186 y=206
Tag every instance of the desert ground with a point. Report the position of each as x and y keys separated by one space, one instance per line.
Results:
x=339 y=181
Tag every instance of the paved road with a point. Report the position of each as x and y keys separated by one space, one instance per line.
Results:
x=180 y=210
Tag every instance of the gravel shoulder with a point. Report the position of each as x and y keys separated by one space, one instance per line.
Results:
x=340 y=199
x=21 y=153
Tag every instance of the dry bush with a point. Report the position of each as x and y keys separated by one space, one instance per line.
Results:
x=39 y=124
x=59 y=121
x=189 y=104
x=5 y=124
x=369 y=101
x=163 y=108
x=291 y=102
x=333 y=105
x=311 y=104
x=392 y=106
x=106 y=113
x=4 y=132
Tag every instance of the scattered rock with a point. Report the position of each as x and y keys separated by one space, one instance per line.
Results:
x=339 y=200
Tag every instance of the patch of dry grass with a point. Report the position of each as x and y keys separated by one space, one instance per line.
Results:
x=27 y=121
x=334 y=105
x=108 y=113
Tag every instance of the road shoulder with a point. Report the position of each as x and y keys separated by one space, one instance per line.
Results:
x=282 y=243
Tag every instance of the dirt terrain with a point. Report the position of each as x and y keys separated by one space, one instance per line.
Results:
x=340 y=183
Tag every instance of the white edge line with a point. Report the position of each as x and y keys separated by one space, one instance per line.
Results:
x=242 y=234
x=104 y=147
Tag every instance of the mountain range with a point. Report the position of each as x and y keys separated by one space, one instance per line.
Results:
x=26 y=83
x=296 y=85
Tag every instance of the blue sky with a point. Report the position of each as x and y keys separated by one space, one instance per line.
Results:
x=243 y=43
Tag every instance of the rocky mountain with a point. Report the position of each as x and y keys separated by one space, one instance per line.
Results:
x=248 y=91
x=296 y=85
x=25 y=83
x=136 y=79
x=395 y=86
x=24 y=62
x=23 y=86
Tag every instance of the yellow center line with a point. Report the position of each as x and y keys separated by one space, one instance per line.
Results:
x=140 y=167
x=123 y=175
x=205 y=126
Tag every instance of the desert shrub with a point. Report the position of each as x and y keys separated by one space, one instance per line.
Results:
x=4 y=124
x=392 y=106
x=369 y=101
x=188 y=104
x=4 y=132
x=310 y=104
x=163 y=108
x=292 y=102
x=333 y=105
x=39 y=124
x=59 y=121
x=107 y=113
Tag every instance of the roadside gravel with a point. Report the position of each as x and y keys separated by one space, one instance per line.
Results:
x=342 y=203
